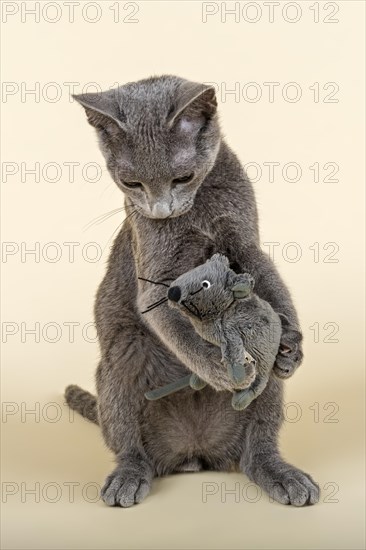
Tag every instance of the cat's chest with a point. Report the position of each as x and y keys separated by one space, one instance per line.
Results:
x=168 y=251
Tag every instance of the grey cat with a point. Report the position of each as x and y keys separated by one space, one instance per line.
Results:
x=187 y=197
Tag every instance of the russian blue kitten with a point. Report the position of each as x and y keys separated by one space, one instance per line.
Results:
x=187 y=197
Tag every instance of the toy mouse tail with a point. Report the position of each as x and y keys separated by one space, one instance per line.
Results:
x=83 y=402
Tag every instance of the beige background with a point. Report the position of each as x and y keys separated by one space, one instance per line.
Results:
x=324 y=432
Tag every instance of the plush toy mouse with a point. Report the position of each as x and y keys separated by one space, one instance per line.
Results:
x=224 y=310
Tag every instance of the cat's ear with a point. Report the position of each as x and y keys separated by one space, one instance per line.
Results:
x=194 y=103
x=102 y=109
x=243 y=286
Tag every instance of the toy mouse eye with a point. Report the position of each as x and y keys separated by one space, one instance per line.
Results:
x=206 y=284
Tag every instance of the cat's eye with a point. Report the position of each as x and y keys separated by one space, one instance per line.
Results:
x=206 y=284
x=132 y=184
x=184 y=179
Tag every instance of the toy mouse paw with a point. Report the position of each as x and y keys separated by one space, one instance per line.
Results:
x=289 y=355
x=196 y=382
x=240 y=373
x=241 y=399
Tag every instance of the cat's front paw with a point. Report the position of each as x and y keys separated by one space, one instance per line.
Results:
x=127 y=486
x=293 y=487
x=290 y=355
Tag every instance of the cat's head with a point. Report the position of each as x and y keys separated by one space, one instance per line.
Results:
x=160 y=138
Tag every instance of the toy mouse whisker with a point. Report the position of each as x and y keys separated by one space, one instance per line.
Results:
x=153 y=282
x=196 y=312
x=197 y=291
x=157 y=302
x=153 y=306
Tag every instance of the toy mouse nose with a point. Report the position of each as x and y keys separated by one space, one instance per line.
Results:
x=174 y=293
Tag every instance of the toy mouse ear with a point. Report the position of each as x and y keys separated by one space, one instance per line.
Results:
x=243 y=286
x=220 y=258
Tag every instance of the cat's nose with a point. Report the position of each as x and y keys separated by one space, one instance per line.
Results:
x=161 y=210
x=174 y=293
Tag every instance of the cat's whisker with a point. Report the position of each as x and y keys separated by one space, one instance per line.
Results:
x=117 y=228
x=129 y=215
x=104 y=217
x=106 y=189
x=111 y=237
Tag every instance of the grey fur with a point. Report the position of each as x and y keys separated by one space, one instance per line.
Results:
x=82 y=402
x=215 y=212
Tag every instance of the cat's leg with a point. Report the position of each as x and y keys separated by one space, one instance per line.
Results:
x=261 y=460
x=120 y=388
x=127 y=362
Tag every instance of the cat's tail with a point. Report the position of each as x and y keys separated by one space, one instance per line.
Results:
x=82 y=402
